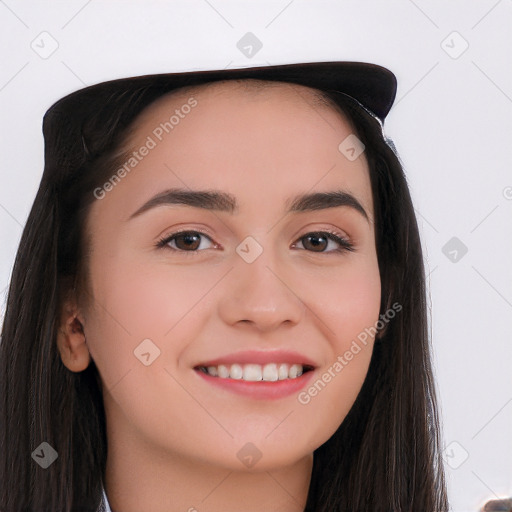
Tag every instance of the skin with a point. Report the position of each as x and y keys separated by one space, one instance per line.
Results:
x=173 y=438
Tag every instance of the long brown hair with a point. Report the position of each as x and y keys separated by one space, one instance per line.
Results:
x=385 y=456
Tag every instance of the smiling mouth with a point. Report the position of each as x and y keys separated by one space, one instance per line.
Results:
x=270 y=372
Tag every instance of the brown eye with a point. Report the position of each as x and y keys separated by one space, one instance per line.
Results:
x=315 y=242
x=186 y=241
x=319 y=241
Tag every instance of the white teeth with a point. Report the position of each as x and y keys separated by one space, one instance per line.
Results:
x=270 y=372
x=283 y=371
x=222 y=371
x=236 y=372
x=256 y=372
x=295 y=371
x=252 y=372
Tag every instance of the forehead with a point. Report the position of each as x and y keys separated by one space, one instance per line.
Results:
x=248 y=90
x=251 y=138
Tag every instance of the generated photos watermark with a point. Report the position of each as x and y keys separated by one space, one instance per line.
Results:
x=157 y=135
x=304 y=397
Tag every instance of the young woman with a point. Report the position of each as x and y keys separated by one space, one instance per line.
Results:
x=218 y=303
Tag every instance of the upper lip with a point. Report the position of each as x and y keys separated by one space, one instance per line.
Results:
x=261 y=357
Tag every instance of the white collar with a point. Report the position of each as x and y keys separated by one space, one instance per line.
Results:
x=105 y=506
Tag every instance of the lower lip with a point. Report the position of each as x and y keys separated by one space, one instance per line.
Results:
x=265 y=390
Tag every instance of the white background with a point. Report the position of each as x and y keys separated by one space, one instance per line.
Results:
x=451 y=124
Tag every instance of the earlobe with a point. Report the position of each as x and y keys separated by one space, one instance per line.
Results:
x=71 y=342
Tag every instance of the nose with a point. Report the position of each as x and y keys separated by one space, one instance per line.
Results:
x=261 y=295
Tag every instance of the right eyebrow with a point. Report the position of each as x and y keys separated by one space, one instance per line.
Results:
x=206 y=199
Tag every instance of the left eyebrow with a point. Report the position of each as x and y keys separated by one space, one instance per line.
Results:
x=324 y=200
x=216 y=200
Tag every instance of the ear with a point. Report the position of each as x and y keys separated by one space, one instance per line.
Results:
x=71 y=341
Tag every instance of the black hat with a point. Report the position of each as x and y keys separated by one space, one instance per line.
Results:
x=371 y=86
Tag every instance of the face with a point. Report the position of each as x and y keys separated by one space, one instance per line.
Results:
x=239 y=337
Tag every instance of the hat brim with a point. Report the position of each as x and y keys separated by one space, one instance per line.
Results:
x=371 y=85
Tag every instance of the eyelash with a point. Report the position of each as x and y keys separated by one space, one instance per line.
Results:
x=345 y=244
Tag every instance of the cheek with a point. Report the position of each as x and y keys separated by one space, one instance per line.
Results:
x=347 y=306
x=135 y=302
x=347 y=300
